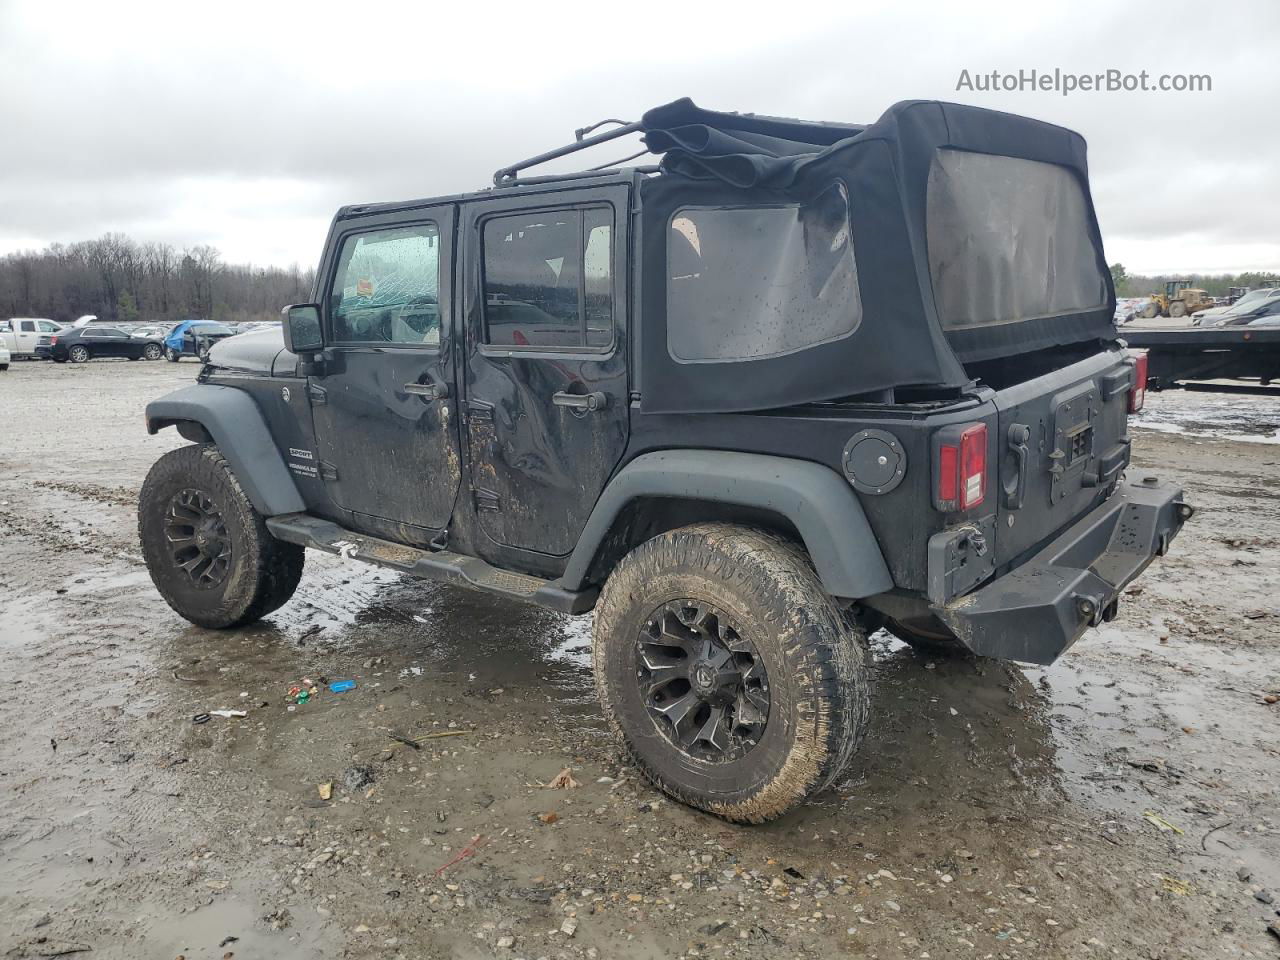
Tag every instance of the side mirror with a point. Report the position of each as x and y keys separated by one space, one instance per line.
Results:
x=301 y=324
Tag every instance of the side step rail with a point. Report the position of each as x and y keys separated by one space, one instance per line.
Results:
x=441 y=565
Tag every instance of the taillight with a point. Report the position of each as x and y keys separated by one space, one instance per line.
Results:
x=52 y=341
x=1138 y=395
x=961 y=460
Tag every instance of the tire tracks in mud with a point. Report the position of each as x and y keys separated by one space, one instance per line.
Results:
x=114 y=496
x=54 y=531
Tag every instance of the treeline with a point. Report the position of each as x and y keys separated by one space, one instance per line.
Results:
x=1215 y=284
x=123 y=281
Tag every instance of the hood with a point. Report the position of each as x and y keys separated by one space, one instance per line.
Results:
x=257 y=352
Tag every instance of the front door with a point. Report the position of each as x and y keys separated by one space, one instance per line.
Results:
x=546 y=378
x=387 y=443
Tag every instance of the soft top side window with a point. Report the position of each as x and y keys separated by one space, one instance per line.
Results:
x=386 y=288
x=548 y=279
x=753 y=282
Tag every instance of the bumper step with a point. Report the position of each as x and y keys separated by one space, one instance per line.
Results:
x=441 y=565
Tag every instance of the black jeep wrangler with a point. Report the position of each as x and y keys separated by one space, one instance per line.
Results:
x=795 y=382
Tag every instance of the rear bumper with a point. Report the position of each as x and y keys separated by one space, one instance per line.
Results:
x=1036 y=611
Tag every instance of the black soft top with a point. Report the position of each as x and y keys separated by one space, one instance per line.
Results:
x=712 y=160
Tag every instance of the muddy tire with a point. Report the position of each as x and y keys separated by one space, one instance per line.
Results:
x=1150 y=311
x=1177 y=309
x=208 y=550
x=931 y=639
x=731 y=678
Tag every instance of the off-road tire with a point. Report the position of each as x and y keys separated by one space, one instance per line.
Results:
x=263 y=572
x=815 y=660
x=1177 y=309
x=927 y=642
x=78 y=354
x=1150 y=312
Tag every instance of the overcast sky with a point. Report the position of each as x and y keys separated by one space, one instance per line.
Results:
x=245 y=125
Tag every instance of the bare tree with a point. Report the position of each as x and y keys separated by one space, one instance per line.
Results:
x=116 y=278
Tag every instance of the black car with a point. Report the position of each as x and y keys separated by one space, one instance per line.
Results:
x=93 y=342
x=795 y=383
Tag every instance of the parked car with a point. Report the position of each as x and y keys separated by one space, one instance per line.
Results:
x=1247 y=318
x=21 y=335
x=804 y=430
x=193 y=338
x=148 y=331
x=95 y=342
x=1248 y=302
x=4 y=357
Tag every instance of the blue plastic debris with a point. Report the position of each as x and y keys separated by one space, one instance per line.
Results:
x=342 y=686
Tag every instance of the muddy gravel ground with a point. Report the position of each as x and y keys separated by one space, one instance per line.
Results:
x=1122 y=803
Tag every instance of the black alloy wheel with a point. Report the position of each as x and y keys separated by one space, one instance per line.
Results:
x=704 y=685
x=197 y=538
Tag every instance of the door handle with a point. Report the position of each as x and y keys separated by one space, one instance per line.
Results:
x=589 y=402
x=429 y=391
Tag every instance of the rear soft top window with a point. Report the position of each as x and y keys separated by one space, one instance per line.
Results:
x=1009 y=240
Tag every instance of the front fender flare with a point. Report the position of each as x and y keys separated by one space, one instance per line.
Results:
x=234 y=422
x=815 y=499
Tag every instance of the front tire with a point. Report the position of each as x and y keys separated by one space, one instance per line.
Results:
x=170 y=355
x=731 y=678
x=208 y=550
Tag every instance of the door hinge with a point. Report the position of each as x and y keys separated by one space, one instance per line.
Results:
x=328 y=471
x=487 y=500
x=318 y=394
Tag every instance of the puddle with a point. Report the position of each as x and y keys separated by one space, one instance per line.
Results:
x=1219 y=416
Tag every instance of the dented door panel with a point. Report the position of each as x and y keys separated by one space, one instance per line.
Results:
x=544 y=428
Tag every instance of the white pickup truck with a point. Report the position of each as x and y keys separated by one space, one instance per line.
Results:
x=22 y=334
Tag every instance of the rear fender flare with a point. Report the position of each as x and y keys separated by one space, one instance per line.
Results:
x=231 y=419
x=820 y=505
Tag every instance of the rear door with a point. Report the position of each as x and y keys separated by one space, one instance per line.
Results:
x=546 y=360
x=1061 y=444
x=386 y=435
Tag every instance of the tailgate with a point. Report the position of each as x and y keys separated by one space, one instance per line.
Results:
x=1062 y=443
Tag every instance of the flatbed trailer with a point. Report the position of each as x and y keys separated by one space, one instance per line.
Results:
x=1189 y=358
